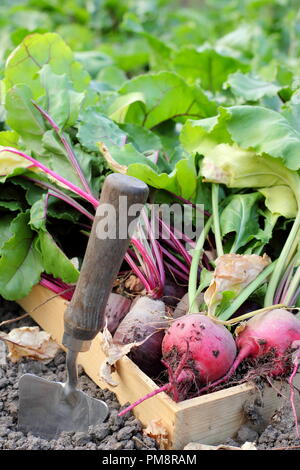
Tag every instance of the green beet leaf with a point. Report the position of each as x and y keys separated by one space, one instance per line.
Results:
x=38 y=214
x=11 y=164
x=251 y=88
x=280 y=200
x=55 y=262
x=120 y=158
x=182 y=180
x=239 y=168
x=5 y=230
x=94 y=127
x=9 y=138
x=143 y=139
x=61 y=101
x=23 y=117
x=148 y=100
x=208 y=66
x=262 y=236
x=37 y=50
x=20 y=263
x=240 y=216
x=250 y=127
x=56 y=158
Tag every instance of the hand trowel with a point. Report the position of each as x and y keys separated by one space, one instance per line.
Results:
x=48 y=408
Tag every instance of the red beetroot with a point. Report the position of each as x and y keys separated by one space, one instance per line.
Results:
x=270 y=332
x=273 y=332
x=196 y=350
x=209 y=346
x=276 y=332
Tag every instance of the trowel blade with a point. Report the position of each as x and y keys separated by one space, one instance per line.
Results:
x=45 y=412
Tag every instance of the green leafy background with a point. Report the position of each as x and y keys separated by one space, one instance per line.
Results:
x=175 y=94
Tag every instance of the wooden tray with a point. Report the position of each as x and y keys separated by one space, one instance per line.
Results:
x=209 y=419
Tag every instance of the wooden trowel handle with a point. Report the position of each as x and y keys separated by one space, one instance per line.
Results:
x=107 y=245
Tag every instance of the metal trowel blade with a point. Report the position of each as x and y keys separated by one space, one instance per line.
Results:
x=45 y=412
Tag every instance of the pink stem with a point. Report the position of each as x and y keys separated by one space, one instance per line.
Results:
x=292 y=392
x=47 y=170
x=164 y=388
x=72 y=203
x=152 y=271
x=184 y=237
x=61 y=195
x=244 y=352
x=150 y=285
x=176 y=272
x=175 y=260
x=156 y=249
x=65 y=293
x=71 y=155
x=187 y=257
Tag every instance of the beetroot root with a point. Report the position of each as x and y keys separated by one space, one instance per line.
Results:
x=210 y=347
x=275 y=333
x=270 y=332
x=195 y=351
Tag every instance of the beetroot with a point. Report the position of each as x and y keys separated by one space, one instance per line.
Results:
x=209 y=346
x=116 y=308
x=274 y=336
x=146 y=320
x=271 y=332
x=195 y=350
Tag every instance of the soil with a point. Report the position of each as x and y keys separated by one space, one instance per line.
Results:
x=115 y=433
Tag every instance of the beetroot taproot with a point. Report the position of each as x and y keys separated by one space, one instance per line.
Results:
x=273 y=336
x=209 y=346
x=270 y=332
x=196 y=351
x=145 y=322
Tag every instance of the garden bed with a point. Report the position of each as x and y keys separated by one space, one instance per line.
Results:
x=208 y=419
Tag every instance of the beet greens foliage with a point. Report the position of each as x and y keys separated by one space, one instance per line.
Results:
x=201 y=104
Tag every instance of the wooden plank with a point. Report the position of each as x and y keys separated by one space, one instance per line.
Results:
x=209 y=419
x=221 y=413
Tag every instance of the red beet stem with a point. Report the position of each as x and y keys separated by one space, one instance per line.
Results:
x=244 y=352
x=164 y=388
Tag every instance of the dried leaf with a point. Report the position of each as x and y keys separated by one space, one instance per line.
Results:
x=134 y=284
x=157 y=431
x=113 y=352
x=233 y=273
x=29 y=342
